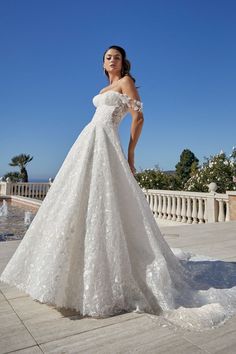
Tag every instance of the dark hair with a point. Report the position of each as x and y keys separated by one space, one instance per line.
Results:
x=126 y=66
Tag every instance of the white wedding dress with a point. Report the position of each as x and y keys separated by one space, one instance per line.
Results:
x=94 y=244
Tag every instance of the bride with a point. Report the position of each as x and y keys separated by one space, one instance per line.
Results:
x=94 y=244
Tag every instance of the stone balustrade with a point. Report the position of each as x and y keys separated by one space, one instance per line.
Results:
x=188 y=207
x=30 y=190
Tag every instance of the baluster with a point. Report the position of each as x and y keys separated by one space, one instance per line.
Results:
x=205 y=216
x=173 y=210
x=29 y=190
x=40 y=191
x=227 y=218
x=164 y=208
x=160 y=206
x=155 y=206
x=44 y=190
x=169 y=207
x=194 y=215
x=221 y=216
x=200 y=210
x=178 y=209
x=189 y=210
x=183 y=210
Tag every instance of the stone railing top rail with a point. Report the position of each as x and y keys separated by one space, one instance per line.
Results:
x=186 y=193
x=27 y=183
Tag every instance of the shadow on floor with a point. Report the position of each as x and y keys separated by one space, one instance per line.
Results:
x=206 y=274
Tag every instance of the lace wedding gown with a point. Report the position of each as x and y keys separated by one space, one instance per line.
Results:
x=94 y=244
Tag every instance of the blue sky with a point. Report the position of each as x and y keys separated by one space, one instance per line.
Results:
x=183 y=55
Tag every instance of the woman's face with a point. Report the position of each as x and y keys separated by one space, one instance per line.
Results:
x=113 y=62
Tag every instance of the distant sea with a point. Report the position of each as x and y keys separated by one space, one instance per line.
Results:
x=42 y=180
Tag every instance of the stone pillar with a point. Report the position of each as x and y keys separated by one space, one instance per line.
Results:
x=5 y=188
x=212 y=212
x=232 y=205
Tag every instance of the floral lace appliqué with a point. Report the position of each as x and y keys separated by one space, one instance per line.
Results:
x=136 y=105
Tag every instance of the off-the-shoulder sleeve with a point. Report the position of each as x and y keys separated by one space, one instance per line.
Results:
x=136 y=105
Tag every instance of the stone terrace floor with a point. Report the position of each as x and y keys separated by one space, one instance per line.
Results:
x=29 y=327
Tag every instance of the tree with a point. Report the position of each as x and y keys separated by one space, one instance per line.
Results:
x=188 y=164
x=219 y=169
x=21 y=161
x=14 y=176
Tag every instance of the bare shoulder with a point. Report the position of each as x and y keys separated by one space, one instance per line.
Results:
x=128 y=87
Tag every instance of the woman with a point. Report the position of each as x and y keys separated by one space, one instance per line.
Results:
x=94 y=244
x=117 y=69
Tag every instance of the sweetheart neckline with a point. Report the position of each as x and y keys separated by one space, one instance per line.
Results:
x=122 y=94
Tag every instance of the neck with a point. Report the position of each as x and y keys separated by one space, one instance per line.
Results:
x=114 y=78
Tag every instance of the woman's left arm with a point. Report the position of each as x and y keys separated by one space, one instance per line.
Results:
x=130 y=90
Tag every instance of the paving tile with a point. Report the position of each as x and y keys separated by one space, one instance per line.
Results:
x=8 y=320
x=15 y=337
x=5 y=308
x=53 y=329
x=30 y=350
x=6 y=251
x=139 y=335
x=11 y=292
x=13 y=334
x=2 y=297
x=27 y=308
x=216 y=240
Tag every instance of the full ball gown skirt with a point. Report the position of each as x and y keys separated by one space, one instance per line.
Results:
x=94 y=244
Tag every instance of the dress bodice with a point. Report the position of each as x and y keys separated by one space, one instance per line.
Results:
x=112 y=106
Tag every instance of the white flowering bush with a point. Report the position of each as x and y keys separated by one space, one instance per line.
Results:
x=220 y=169
x=155 y=179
